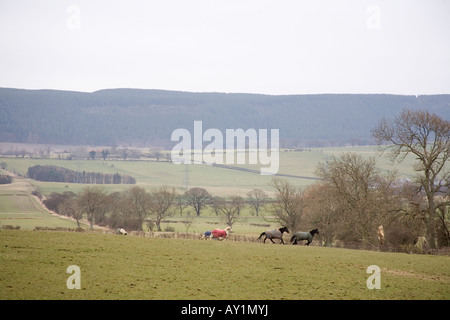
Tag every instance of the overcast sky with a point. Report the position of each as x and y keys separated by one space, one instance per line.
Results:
x=271 y=47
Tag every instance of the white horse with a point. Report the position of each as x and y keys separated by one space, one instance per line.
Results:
x=220 y=234
x=121 y=231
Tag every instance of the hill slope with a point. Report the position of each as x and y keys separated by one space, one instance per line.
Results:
x=148 y=117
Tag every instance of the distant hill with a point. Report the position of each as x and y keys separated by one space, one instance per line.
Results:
x=148 y=117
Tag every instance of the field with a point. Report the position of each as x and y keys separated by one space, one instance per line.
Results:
x=218 y=181
x=19 y=208
x=34 y=265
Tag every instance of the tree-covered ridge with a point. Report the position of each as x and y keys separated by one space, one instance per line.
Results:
x=148 y=117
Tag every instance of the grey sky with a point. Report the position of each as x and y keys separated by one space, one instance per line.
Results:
x=273 y=47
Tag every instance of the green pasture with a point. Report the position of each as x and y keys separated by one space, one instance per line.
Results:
x=34 y=263
x=218 y=181
x=19 y=208
x=26 y=212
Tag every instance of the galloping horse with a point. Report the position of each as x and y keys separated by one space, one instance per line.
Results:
x=206 y=235
x=274 y=234
x=121 y=231
x=299 y=236
x=220 y=234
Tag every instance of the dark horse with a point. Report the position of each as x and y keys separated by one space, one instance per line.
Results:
x=274 y=234
x=299 y=236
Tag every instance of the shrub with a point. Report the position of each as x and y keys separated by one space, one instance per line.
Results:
x=169 y=229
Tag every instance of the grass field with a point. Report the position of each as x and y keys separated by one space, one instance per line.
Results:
x=218 y=181
x=33 y=263
x=33 y=266
x=19 y=208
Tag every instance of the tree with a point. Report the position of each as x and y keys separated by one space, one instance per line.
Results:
x=105 y=153
x=137 y=202
x=5 y=179
x=92 y=201
x=92 y=154
x=362 y=197
x=70 y=207
x=426 y=136
x=181 y=204
x=257 y=199
x=53 y=201
x=287 y=209
x=189 y=221
x=197 y=198
x=124 y=153
x=322 y=211
x=229 y=209
x=162 y=204
x=216 y=203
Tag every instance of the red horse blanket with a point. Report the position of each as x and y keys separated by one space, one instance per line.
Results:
x=217 y=233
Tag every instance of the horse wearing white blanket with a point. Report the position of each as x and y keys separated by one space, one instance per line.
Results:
x=121 y=231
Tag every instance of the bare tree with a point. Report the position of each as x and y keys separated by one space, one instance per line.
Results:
x=287 y=209
x=137 y=204
x=229 y=209
x=70 y=207
x=197 y=198
x=257 y=199
x=105 y=153
x=162 y=204
x=181 y=204
x=427 y=137
x=322 y=211
x=92 y=154
x=92 y=201
x=156 y=153
x=188 y=221
x=362 y=197
x=216 y=204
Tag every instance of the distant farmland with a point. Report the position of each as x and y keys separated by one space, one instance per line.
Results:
x=218 y=180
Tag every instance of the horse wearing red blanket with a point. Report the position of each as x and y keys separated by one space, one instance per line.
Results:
x=220 y=234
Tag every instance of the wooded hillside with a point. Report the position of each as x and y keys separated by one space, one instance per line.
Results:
x=148 y=117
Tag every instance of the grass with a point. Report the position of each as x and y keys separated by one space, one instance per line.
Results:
x=218 y=181
x=18 y=208
x=34 y=266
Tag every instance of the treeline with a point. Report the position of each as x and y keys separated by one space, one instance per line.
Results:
x=347 y=206
x=354 y=202
x=5 y=179
x=136 y=209
x=59 y=174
